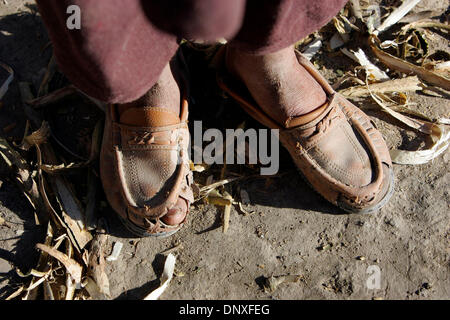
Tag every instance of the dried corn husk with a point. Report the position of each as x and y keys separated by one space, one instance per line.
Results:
x=16 y=293
x=438 y=133
x=396 y=15
x=24 y=177
x=372 y=70
x=397 y=85
x=413 y=17
x=72 y=267
x=311 y=49
x=440 y=144
x=426 y=23
x=406 y=67
x=167 y=275
x=374 y=20
x=356 y=9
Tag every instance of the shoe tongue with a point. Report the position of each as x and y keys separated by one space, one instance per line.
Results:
x=148 y=117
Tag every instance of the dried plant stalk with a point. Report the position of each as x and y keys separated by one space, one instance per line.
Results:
x=398 y=85
x=72 y=267
x=396 y=15
x=406 y=67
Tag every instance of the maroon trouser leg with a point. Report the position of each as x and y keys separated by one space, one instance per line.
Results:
x=123 y=45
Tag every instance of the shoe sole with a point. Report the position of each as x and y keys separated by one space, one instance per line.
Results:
x=353 y=210
x=138 y=231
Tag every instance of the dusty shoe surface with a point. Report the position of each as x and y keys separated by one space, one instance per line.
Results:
x=336 y=147
x=144 y=166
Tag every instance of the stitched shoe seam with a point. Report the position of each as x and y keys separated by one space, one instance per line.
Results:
x=133 y=174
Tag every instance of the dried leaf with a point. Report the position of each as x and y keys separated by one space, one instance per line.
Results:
x=58 y=168
x=339 y=25
x=441 y=140
x=94 y=153
x=347 y=77
x=311 y=49
x=169 y=267
x=226 y=200
x=356 y=9
x=372 y=70
x=438 y=133
x=243 y=210
x=374 y=20
x=389 y=44
x=72 y=213
x=36 y=138
x=71 y=285
x=406 y=67
x=34 y=285
x=348 y=24
x=72 y=267
x=24 y=177
x=32 y=272
x=422 y=126
x=16 y=293
x=442 y=66
x=204 y=191
x=338 y=40
x=425 y=24
x=396 y=15
x=413 y=17
x=210 y=179
x=398 y=85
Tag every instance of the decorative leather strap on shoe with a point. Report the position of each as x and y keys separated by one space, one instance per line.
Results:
x=153 y=133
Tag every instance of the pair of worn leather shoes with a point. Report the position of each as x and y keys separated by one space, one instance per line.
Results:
x=145 y=167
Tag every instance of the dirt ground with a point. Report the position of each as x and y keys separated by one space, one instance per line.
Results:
x=292 y=230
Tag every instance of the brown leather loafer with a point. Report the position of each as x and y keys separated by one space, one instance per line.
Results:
x=336 y=147
x=145 y=166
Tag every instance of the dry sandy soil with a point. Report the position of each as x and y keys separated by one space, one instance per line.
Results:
x=293 y=231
